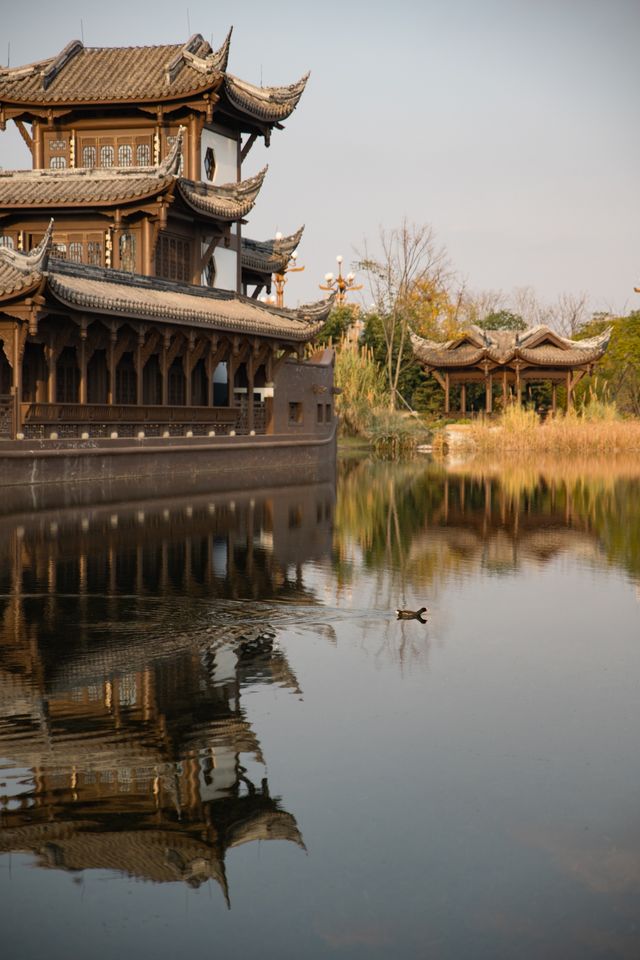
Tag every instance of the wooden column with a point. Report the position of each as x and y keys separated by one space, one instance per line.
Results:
x=187 y=366
x=16 y=379
x=463 y=398
x=269 y=417
x=489 y=393
x=446 y=392
x=251 y=374
x=139 y=367
x=82 y=363
x=52 y=359
x=569 y=390
x=504 y=388
x=554 y=396
x=111 y=393
x=164 y=369
x=147 y=248
x=38 y=145
x=232 y=364
x=518 y=385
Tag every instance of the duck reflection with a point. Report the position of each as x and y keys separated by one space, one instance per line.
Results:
x=127 y=638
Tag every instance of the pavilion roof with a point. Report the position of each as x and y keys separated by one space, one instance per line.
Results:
x=87 y=75
x=537 y=346
x=269 y=256
x=116 y=293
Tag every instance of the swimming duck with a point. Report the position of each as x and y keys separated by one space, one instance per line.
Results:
x=412 y=614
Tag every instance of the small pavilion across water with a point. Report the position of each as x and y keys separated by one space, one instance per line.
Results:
x=512 y=359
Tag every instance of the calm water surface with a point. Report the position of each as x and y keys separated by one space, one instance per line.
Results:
x=216 y=737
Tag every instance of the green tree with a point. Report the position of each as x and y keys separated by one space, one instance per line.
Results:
x=619 y=370
x=338 y=323
x=502 y=320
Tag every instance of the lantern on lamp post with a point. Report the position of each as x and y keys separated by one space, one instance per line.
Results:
x=340 y=285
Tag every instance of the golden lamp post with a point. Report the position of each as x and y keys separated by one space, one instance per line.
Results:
x=340 y=285
x=279 y=279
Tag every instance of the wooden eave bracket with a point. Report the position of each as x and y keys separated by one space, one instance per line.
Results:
x=206 y=256
x=247 y=146
x=24 y=133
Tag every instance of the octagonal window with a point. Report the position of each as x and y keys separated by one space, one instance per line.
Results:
x=209 y=163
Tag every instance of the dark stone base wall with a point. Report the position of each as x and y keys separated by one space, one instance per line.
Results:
x=154 y=465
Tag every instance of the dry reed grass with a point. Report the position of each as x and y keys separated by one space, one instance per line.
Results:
x=520 y=431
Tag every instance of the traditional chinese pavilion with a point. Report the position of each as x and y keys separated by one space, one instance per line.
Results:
x=509 y=360
x=129 y=295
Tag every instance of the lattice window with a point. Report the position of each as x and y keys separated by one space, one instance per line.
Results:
x=125 y=155
x=128 y=252
x=107 y=156
x=58 y=163
x=173 y=258
x=210 y=163
x=143 y=155
x=94 y=252
x=6 y=241
x=76 y=251
x=57 y=146
x=89 y=157
x=59 y=249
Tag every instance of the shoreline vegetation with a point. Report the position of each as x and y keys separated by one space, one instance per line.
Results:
x=596 y=429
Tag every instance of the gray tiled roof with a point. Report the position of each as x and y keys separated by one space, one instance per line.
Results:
x=84 y=74
x=20 y=189
x=269 y=256
x=80 y=74
x=79 y=187
x=115 y=293
x=229 y=201
x=270 y=104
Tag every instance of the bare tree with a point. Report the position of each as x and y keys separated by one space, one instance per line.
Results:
x=524 y=302
x=570 y=312
x=410 y=260
x=477 y=305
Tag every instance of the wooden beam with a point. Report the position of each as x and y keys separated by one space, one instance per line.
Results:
x=206 y=256
x=24 y=133
x=250 y=142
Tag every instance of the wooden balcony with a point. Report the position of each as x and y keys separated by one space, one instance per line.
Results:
x=56 y=414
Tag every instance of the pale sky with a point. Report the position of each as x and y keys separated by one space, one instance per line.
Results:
x=511 y=126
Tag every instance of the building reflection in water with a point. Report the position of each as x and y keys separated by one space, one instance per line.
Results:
x=124 y=654
x=422 y=525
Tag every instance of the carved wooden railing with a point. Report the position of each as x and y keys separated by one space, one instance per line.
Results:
x=6 y=415
x=59 y=413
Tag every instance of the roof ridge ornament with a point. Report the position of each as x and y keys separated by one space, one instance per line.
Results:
x=170 y=166
x=35 y=261
x=63 y=58
x=221 y=55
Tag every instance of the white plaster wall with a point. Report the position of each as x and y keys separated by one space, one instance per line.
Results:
x=226 y=268
x=226 y=154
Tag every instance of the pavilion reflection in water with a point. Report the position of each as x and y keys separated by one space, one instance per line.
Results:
x=124 y=653
x=481 y=517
